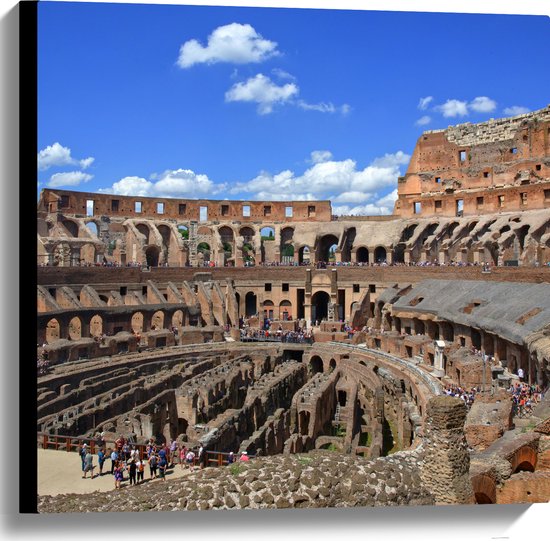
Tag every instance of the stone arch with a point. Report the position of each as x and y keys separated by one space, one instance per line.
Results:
x=251 y=304
x=96 y=325
x=75 y=328
x=136 y=322
x=524 y=459
x=285 y=310
x=286 y=247
x=304 y=255
x=362 y=255
x=484 y=488
x=145 y=231
x=325 y=247
x=315 y=365
x=53 y=331
x=447 y=331
x=204 y=249
x=319 y=305
x=268 y=232
x=152 y=255
x=183 y=230
x=380 y=254
x=157 y=321
x=71 y=227
x=93 y=228
x=177 y=318
x=332 y=365
x=227 y=237
x=408 y=232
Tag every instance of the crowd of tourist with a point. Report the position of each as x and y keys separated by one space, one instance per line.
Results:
x=467 y=396
x=157 y=458
x=524 y=397
x=301 y=336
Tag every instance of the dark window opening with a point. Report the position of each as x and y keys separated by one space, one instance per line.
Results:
x=485 y=174
x=123 y=290
x=64 y=202
x=438 y=204
x=285 y=287
x=356 y=288
x=182 y=209
x=372 y=288
x=225 y=210
x=479 y=201
x=538 y=167
x=311 y=211
x=115 y=205
x=267 y=210
x=267 y=287
x=144 y=290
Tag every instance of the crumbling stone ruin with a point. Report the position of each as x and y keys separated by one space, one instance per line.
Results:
x=220 y=323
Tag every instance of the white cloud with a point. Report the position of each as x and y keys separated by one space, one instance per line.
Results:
x=424 y=102
x=171 y=183
x=324 y=107
x=384 y=205
x=339 y=181
x=483 y=104
x=282 y=74
x=423 y=120
x=392 y=160
x=57 y=155
x=261 y=90
x=86 y=162
x=452 y=108
x=516 y=110
x=235 y=43
x=72 y=178
x=318 y=156
x=183 y=183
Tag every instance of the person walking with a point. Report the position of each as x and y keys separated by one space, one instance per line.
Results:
x=183 y=452
x=89 y=464
x=118 y=473
x=132 y=469
x=114 y=459
x=153 y=465
x=190 y=458
x=140 y=465
x=163 y=464
x=101 y=460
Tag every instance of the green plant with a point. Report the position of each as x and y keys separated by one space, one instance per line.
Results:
x=235 y=469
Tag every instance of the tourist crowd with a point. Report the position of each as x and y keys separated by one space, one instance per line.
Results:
x=157 y=458
x=524 y=397
x=468 y=396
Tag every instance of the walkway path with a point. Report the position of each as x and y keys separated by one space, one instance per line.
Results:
x=60 y=472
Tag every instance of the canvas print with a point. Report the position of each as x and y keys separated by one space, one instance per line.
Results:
x=291 y=258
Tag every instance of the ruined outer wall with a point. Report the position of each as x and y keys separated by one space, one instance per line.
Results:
x=120 y=206
x=404 y=275
x=494 y=166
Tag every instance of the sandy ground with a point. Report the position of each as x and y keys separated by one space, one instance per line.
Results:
x=60 y=472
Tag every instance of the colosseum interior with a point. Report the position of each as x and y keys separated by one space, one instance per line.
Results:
x=324 y=346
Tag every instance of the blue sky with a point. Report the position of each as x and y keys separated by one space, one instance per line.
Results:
x=260 y=103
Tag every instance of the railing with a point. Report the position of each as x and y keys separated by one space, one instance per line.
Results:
x=278 y=339
x=434 y=386
x=72 y=444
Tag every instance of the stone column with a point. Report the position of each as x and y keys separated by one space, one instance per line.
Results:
x=446 y=464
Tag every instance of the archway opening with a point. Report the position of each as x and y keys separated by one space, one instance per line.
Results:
x=380 y=254
x=71 y=227
x=250 y=302
x=53 y=331
x=269 y=308
x=285 y=310
x=204 y=249
x=304 y=255
x=144 y=230
x=96 y=326
x=75 y=329
x=157 y=321
x=137 y=322
x=92 y=227
x=332 y=365
x=183 y=230
x=152 y=256
x=319 y=306
x=327 y=246
x=362 y=255
x=482 y=498
x=315 y=365
x=177 y=318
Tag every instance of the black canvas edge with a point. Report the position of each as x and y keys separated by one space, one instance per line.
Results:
x=28 y=130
